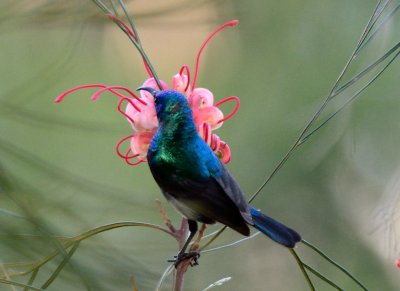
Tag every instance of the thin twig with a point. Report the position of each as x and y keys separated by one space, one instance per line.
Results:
x=322 y=277
x=31 y=279
x=232 y=243
x=60 y=266
x=135 y=38
x=13 y=283
x=166 y=273
x=322 y=254
x=351 y=99
x=318 y=112
x=304 y=272
x=71 y=241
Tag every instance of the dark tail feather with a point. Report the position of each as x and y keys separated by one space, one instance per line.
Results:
x=275 y=230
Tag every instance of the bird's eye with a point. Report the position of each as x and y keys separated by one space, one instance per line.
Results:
x=155 y=100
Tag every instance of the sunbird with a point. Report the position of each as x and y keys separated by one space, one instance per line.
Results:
x=195 y=182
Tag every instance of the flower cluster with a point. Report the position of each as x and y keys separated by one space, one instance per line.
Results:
x=206 y=115
x=140 y=110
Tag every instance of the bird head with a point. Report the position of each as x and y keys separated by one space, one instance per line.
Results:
x=171 y=105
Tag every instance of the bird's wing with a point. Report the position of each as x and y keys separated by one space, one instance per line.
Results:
x=232 y=190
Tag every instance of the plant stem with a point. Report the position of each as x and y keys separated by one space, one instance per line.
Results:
x=300 y=264
x=322 y=254
x=179 y=277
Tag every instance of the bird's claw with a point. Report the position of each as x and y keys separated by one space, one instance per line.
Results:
x=192 y=256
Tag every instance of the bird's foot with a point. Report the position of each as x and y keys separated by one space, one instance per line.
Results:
x=192 y=257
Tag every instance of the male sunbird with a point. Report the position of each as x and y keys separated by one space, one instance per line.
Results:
x=193 y=179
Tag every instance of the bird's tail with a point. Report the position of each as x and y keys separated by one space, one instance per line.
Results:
x=275 y=230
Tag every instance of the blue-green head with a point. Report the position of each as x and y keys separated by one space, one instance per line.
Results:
x=172 y=108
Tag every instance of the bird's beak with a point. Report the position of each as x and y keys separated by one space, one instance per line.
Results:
x=152 y=91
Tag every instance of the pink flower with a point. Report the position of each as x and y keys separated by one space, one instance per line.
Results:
x=206 y=114
x=140 y=111
x=398 y=263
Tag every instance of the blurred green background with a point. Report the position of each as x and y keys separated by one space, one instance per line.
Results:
x=340 y=190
